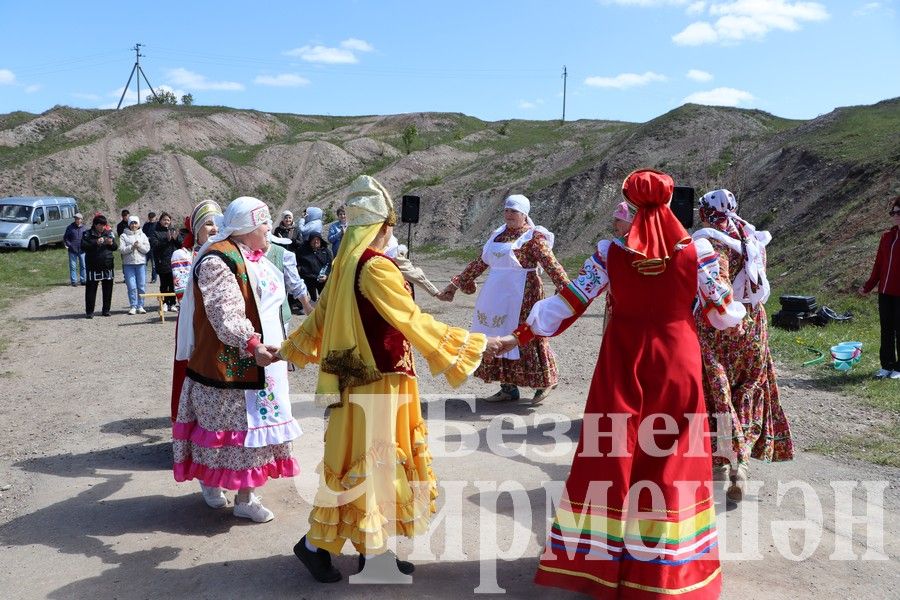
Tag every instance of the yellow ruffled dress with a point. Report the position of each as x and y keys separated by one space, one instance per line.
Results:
x=377 y=479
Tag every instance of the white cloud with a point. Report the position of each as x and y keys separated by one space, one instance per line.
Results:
x=624 y=80
x=83 y=96
x=698 y=75
x=195 y=81
x=34 y=87
x=530 y=104
x=645 y=3
x=749 y=19
x=358 y=45
x=696 y=34
x=281 y=80
x=872 y=8
x=324 y=54
x=7 y=77
x=696 y=8
x=722 y=96
x=345 y=55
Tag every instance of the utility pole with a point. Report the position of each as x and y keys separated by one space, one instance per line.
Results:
x=564 y=76
x=140 y=73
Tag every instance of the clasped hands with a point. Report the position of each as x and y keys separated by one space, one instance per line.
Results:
x=500 y=345
x=266 y=354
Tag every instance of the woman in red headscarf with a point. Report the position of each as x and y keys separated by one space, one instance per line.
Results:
x=636 y=518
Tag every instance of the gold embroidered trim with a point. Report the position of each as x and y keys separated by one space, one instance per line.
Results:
x=349 y=368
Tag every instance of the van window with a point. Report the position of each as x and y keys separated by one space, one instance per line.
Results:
x=15 y=213
x=38 y=216
x=53 y=213
x=66 y=213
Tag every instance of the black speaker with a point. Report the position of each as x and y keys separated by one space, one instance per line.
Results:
x=409 y=212
x=683 y=205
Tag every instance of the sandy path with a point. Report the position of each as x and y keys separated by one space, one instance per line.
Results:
x=92 y=510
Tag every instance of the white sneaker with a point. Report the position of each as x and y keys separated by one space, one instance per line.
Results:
x=882 y=373
x=133 y=311
x=213 y=496
x=894 y=375
x=165 y=308
x=174 y=308
x=141 y=310
x=253 y=510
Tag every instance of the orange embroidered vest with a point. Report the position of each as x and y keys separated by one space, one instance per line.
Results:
x=212 y=362
x=390 y=348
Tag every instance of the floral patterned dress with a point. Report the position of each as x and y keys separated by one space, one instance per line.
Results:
x=739 y=380
x=211 y=425
x=536 y=366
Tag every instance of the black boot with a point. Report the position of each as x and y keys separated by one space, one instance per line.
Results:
x=318 y=562
x=405 y=567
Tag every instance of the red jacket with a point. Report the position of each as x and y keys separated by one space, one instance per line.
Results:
x=886 y=270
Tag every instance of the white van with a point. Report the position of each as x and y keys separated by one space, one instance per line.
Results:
x=34 y=221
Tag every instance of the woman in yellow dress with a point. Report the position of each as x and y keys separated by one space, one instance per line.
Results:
x=377 y=479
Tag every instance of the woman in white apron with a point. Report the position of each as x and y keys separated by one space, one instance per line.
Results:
x=234 y=424
x=513 y=253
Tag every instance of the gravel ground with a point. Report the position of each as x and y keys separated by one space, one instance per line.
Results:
x=88 y=507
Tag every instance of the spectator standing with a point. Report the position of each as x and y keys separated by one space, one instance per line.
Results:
x=166 y=240
x=134 y=246
x=336 y=231
x=98 y=244
x=72 y=240
x=314 y=264
x=886 y=275
x=123 y=224
x=312 y=223
x=148 y=229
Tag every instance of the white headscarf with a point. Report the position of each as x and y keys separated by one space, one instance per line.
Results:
x=242 y=216
x=519 y=203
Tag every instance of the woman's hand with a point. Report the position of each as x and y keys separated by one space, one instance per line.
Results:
x=862 y=291
x=448 y=293
x=266 y=354
x=500 y=345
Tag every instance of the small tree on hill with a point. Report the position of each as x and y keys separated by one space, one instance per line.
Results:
x=187 y=99
x=409 y=136
x=163 y=97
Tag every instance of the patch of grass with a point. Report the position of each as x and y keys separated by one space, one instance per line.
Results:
x=518 y=135
x=858 y=134
x=14 y=119
x=429 y=182
x=716 y=169
x=790 y=347
x=24 y=274
x=435 y=250
x=375 y=167
x=128 y=188
x=877 y=446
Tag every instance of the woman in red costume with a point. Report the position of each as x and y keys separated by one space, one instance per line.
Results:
x=636 y=519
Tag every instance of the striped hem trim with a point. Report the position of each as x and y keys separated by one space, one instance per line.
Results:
x=636 y=586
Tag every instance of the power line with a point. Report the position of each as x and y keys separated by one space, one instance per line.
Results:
x=140 y=72
x=564 y=77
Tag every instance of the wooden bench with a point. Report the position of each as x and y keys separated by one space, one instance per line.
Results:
x=161 y=296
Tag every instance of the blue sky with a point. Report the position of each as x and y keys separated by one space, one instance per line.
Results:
x=628 y=60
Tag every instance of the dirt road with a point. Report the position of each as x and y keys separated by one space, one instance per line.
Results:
x=88 y=507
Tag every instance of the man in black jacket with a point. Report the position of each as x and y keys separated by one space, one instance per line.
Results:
x=148 y=228
x=165 y=240
x=98 y=245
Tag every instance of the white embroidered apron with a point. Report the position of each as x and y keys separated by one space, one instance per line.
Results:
x=499 y=303
x=269 y=419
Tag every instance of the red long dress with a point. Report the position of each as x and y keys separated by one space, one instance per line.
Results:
x=649 y=364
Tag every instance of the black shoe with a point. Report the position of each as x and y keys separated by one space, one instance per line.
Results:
x=90 y=316
x=318 y=563
x=106 y=313
x=73 y=284
x=405 y=567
